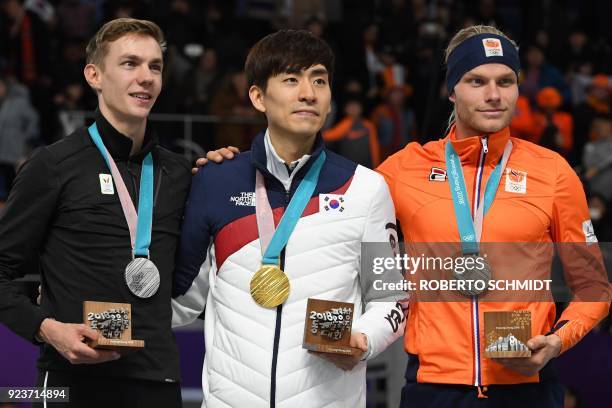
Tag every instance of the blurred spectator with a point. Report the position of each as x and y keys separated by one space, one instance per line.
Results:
x=296 y=11
x=319 y=28
x=18 y=126
x=395 y=122
x=579 y=83
x=27 y=46
x=120 y=8
x=542 y=40
x=553 y=129
x=70 y=67
x=76 y=20
x=577 y=52
x=231 y=101
x=183 y=24
x=428 y=76
x=196 y=92
x=70 y=99
x=597 y=103
x=599 y=210
x=398 y=27
x=213 y=25
x=176 y=68
x=24 y=42
x=366 y=64
x=44 y=9
x=352 y=89
x=597 y=157
x=315 y=26
x=355 y=137
x=199 y=84
x=40 y=45
x=522 y=122
x=392 y=74
x=437 y=116
x=486 y=13
x=540 y=74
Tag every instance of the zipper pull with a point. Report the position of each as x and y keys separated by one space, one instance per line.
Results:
x=485 y=145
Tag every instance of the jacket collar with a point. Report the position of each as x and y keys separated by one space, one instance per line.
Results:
x=469 y=148
x=119 y=145
x=259 y=159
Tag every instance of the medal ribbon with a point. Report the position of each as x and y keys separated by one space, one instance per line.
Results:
x=263 y=210
x=272 y=245
x=139 y=224
x=470 y=230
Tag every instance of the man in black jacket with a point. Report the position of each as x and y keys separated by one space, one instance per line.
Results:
x=70 y=209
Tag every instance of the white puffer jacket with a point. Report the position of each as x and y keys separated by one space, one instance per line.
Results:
x=254 y=356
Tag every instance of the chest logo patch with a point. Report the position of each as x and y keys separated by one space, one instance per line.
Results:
x=516 y=181
x=437 y=174
x=492 y=47
x=589 y=232
x=245 y=199
x=106 y=184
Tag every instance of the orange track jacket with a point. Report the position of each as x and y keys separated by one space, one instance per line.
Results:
x=552 y=208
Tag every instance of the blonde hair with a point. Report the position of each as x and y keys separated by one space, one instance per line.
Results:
x=97 y=47
x=460 y=37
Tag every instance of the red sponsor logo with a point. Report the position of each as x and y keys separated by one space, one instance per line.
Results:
x=516 y=176
x=437 y=174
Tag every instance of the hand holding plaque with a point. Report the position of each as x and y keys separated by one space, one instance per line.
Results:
x=327 y=327
x=113 y=321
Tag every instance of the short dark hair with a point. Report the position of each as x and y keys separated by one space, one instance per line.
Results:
x=286 y=51
x=97 y=48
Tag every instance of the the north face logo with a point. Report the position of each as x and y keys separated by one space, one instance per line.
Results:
x=244 y=199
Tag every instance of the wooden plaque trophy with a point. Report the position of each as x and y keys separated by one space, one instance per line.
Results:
x=506 y=334
x=114 y=323
x=327 y=328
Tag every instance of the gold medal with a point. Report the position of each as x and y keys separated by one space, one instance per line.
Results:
x=270 y=286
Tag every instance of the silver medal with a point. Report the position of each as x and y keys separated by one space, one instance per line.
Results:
x=142 y=277
x=476 y=277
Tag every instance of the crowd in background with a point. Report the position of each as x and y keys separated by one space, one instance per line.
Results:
x=388 y=85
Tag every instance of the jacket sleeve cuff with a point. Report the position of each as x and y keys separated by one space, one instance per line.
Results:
x=35 y=328
x=368 y=353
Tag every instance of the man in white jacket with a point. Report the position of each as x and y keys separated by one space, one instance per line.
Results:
x=303 y=213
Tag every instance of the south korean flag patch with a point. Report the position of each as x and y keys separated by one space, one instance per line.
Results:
x=331 y=203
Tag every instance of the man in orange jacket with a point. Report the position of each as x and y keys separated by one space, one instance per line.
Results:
x=535 y=197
